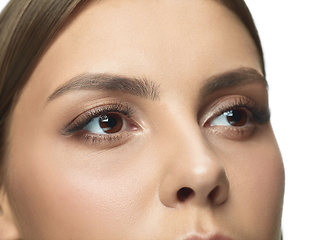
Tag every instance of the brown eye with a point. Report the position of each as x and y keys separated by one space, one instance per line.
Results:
x=111 y=123
x=237 y=117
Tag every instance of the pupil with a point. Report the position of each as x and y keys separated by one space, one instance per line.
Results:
x=237 y=117
x=111 y=123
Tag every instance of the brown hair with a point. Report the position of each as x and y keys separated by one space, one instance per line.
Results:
x=26 y=28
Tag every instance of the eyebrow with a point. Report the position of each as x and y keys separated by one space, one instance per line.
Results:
x=144 y=88
x=108 y=82
x=232 y=78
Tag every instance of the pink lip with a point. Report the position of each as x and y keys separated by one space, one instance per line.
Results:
x=213 y=237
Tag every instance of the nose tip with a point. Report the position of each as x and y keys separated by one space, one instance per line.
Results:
x=202 y=182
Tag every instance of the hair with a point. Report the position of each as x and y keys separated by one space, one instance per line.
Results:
x=26 y=29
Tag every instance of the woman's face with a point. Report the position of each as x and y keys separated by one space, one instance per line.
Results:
x=146 y=120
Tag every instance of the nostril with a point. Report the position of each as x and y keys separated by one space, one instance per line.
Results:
x=184 y=193
x=214 y=193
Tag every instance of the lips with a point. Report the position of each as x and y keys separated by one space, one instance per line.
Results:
x=211 y=237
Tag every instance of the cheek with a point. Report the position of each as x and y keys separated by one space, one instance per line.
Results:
x=60 y=187
x=256 y=176
x=61 y=190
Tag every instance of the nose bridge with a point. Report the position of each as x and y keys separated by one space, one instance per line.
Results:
x=193 y=172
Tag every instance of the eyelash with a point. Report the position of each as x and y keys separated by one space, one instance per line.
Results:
x=258 y=115
x=79 y=123
x=261 y=115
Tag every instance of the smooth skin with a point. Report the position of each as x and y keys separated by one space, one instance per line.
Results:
x=64 y=186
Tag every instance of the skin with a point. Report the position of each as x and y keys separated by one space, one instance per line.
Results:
x=65 y=187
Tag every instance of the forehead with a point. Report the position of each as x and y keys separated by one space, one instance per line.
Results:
x=160 y=40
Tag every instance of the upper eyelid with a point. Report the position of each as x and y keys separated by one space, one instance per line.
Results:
x=120 y=108
x=216 y=108
x=219 y=107
x=227 y=108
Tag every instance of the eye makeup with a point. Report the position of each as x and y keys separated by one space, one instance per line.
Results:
x=225 y=112
x=238 y=117
x=261 y=114
x=78 y=126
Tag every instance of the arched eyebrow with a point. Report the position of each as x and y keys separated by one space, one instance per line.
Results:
x=232 y=78
x=147 y=89
x=108 y=82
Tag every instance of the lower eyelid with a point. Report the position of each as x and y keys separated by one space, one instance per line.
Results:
x=102 y=138
x=102 y=141
x=233 y=133
x=107 y=141
x=99 y=139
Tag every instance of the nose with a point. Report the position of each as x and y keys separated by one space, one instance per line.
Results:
x=194 y=175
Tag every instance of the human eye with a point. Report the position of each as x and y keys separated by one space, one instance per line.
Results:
x=235 y=117
x=106 y=123
x=110 y=124
x=238 y=117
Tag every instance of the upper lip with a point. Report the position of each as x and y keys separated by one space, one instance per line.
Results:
x=207 y=237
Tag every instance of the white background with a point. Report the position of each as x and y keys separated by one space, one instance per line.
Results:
x=290 y=34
